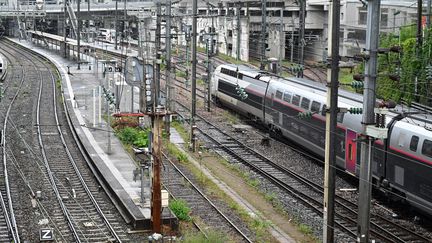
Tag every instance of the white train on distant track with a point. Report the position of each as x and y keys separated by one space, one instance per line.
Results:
x=402 y=163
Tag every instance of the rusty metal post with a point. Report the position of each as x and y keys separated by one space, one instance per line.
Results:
x=156 y=203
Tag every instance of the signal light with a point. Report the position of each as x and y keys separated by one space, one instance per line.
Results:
x=355 y=110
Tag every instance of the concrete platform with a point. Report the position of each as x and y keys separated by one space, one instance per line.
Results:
x=115 y=167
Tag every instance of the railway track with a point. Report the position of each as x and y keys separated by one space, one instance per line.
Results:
x=300 y=188
x=8 y=227
x=182 y=187
x=82 y=213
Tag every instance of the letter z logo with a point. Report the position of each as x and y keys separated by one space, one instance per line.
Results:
x=46 y=234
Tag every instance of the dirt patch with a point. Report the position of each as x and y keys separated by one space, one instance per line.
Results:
x=252 y=196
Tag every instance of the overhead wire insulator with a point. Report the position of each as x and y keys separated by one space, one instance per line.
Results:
x=305 y=115
x=377 y=119
x=382 y=121
x=357 y=84
x=355 y=110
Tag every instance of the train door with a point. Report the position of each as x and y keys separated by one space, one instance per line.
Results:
x=351 y=151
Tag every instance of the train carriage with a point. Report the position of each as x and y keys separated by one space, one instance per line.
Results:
x=402 y=164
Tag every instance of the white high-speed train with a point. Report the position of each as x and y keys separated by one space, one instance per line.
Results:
x=402 y=163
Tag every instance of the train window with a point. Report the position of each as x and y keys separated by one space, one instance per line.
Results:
x=305 y=103
x=287 y=96
x=315 y=106
x=296 y=100
x=232 y=73
x=414 y=143
x=279 y=94
x=427 y=148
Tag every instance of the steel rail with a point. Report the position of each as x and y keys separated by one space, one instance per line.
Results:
x=64 y=209
x=378 y=231
x=10 y=219
x=207 y=199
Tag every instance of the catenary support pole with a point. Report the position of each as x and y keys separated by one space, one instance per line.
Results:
x=156 y=205
x=263 y=33
x=419 y=25
x=94 y=107
x=331 y=123
x=115 y=24
x=64 y=29
x=292 y=39
x=209 y=65
x=238 y=31
x=428 y=11
x=158 y=50
x=365 y=186
x=281 y=40
x=78 y=16
x=302 y=34
x=168 y=85
x=194 y=67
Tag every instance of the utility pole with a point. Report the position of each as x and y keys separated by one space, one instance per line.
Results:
x=194 y=67
x=331 y=123
x=168 y=87
x=78 y=34
x=263 y=33
x=365 y=184
x=115 y=24
x=238 y=30
x=302 y=34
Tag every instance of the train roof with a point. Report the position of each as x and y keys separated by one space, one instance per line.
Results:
x=411 y=115
x=250 y=71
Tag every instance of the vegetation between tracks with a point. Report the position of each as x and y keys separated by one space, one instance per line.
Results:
x=180 y=209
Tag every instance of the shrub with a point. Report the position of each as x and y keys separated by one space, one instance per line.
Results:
x=133 y=136
x=180 y=209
